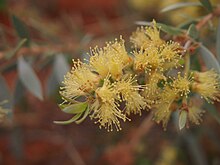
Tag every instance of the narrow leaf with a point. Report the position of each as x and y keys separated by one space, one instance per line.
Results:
x=19 y=92
x=215 y=114
x=169 y=29
x=29 y=79
x=187 y=23
x=209 y=59
x=13 y=52
x=165 y=28
x=197 y=154
x=179 y=5
x=213 y=111
x=61 y=67
x=52 y=85
x=75 y=108
x=193 y=32
x=21 y=29
x=84 y=116
x=207 y=5
x=5 y=95
x=182 y=119
x=218 y=41
x=74 y=118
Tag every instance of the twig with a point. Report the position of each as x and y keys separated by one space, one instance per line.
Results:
x=205 y=20
x=142 y=130
x=73 y=154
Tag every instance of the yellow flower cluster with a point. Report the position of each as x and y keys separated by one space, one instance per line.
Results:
x=114 y=84
x=207 y=85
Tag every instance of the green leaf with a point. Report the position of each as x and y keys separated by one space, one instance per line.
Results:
x=213 y=111
x=29 y=79
x=193 y=32
x=170 y=29
x=209 y=59
x=193 y=146
x=5 y=94
x=187 y=23
x=60 y=68
x=74 y=118
x=179 y=5
x=84 y=116
x=52 y=85
x=182 y=119
x=13 y=52
x=19 y=92
x=74 y=108
x=218 y=42
x=165 y=28
x=21 y=29
x=207 y=5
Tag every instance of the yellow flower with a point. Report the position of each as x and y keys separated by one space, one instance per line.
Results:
x=154 y=35
x=105 y=108
x=152 y=90
x=162 y=114
x=107 y=115
x=139 y=38
x=181 y=85
x=194 y=114
x=206 y=77
x=207 y=85
x=162 y=110
x=106 y=93
x=210 y=92
x=110 y=60
x=79 y=81
x=150 y=36
x=127 y=89
x=117 y=49
x=148 y=59
x=98 y=61
x=171 y=53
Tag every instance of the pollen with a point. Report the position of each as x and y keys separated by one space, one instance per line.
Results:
x=182 y=84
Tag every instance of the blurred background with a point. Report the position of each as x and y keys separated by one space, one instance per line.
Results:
x=58 y=31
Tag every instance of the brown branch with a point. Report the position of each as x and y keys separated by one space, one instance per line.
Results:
x=205 y=20
x=123 y=152
x=142 y=130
